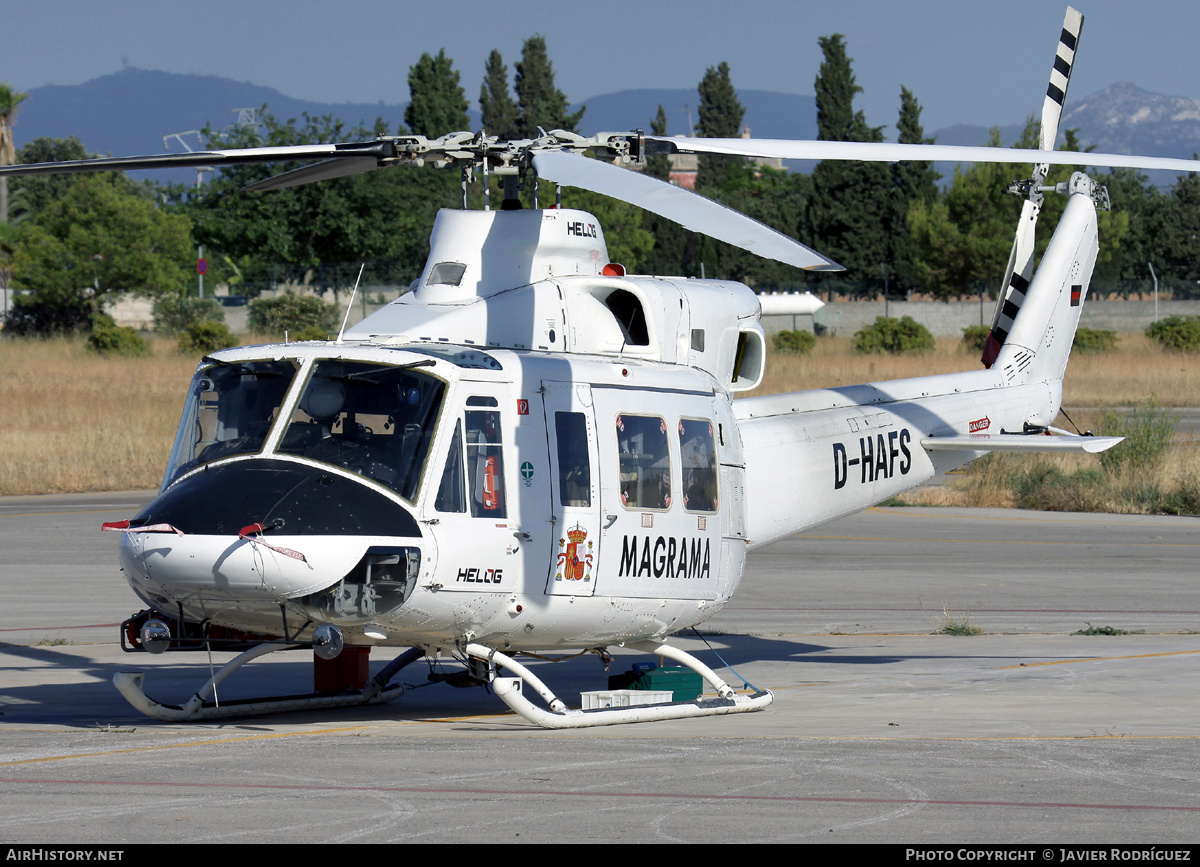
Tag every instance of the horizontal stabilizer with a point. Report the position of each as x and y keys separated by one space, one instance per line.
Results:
x=1019 y=443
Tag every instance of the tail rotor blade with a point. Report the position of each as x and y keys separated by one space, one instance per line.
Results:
x=1060 y=77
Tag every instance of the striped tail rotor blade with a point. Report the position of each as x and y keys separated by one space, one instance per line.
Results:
x=1060 y=77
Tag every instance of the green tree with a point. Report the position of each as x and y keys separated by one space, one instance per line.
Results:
x=496 y=106
x=97 y=242
x=671 y=240
x=322 y=231
x=963 y=239
x=436 y=102
x=659 y=165
x=39 y=191
x=847 y=214
x=1181 y=239
x=9 y=101
x=912 y=181
x=541 y=104
x=720 y=117
x=1147 y=210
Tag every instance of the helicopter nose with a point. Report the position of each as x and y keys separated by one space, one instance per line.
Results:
x=257 y=529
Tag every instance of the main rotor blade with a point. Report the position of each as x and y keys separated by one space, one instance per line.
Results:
x=890 y=152
x=679 y=205
x=341 y=150
x=321 y=171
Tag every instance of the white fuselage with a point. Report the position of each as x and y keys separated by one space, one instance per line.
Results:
x=553 y=558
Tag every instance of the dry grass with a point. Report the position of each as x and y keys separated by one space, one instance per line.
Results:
x=1072 y=483
x=1119 y=378
x=77 y=421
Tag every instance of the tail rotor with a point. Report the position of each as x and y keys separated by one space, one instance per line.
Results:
x=1020 y=260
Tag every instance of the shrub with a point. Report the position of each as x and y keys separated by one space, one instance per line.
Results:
x=974 y=337
x=118 y=340
x=173 y=314
x=1148 y=431
x=291 y=313
x=30 y=317
x=201 y=338
x=895 y=336
x=1181 y=333
x=312 y=332
x=1093 y=340
x=798 y=342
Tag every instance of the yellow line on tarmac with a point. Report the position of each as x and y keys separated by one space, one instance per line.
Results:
x=234 y=740
x=1099 y=659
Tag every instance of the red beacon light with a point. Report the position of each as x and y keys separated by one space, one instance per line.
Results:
x=613 y=269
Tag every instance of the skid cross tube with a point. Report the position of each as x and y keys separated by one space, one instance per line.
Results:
x=559 y=716
x=376 y=691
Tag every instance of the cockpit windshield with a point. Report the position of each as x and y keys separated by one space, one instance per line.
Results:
x=230 y=409
x=376 y=420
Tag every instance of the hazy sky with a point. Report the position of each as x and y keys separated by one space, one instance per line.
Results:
x=967 y=62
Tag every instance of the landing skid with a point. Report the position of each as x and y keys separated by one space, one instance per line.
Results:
x=198 y=707
x=559 y=716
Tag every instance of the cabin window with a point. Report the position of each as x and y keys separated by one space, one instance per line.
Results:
x=230 y=409
x=645 y=462
x=574 y=466
x=485 y=464
x=375 y=420
x=446 y=274
x=698 y=461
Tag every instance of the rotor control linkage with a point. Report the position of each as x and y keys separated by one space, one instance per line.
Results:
x=559 y=716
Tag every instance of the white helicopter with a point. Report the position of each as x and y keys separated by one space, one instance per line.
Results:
x=533 y=450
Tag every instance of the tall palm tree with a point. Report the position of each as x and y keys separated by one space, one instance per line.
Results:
x=9 y=100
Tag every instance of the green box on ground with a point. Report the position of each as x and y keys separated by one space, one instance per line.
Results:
x=684 y=684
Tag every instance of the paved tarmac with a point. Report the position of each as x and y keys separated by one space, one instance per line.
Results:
x=880 y=731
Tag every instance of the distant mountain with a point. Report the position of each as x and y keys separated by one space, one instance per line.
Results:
x=130 y=111
x=1125 y=119
x=1120 y=119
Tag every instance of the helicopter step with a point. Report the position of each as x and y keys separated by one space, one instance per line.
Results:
x=198 y=707
x=559 y=716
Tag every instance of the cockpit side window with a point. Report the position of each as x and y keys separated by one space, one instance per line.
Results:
x=376 y=420
x=450 y=492
x=645 y=459
x=230 y=409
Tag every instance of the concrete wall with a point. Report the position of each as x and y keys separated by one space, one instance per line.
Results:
x=947 y=319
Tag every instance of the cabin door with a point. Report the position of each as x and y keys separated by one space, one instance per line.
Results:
x=575 y=488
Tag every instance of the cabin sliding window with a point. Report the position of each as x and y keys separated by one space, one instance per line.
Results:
x=645 y=462
x=574 y=466
x=698 y=461
x=485 y=464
